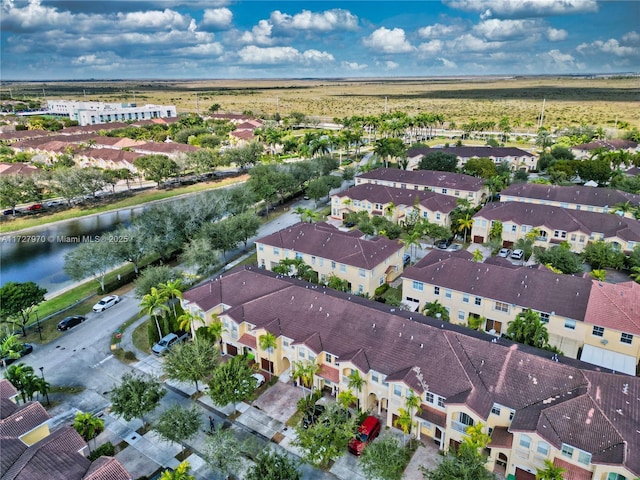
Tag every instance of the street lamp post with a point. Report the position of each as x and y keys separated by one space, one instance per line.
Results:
x=39 y=327
x=46 y=391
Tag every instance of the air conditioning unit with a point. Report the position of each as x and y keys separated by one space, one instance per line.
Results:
x=604 y=341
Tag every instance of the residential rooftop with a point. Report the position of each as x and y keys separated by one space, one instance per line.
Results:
x=427 y=178
x=579 y=195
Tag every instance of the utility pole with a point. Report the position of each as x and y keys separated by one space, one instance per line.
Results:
x=542 y=113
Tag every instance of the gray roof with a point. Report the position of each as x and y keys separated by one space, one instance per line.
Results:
x=580 y=195
x=326 y=241
x=435 y=202
x=405 y=346
x=472 y=151
x=558 y=218
x=539 y=290
x=427 y=178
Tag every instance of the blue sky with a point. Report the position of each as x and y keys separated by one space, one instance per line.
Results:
x=58 y=39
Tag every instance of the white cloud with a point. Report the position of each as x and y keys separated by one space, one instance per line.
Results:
x=555 y=35
x=98 y=58
x=447 y=63
x=252 y=54
x=33 y=16
x=524 y=8
x=389 y=65
x=354 y=65
x=471 y=43
x=432 y=47
x=217 y=17
x=496 y=29
x=335 y=19
x=388 y=41
x=153 y=19
x=204 y=49
x=560 y=57
x=438 y=30
x=611 y=46
x=631 y=37
x=260 y=34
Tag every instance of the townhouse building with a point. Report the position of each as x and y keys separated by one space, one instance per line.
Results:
x=517 y=158
x=534 y=407
x=456 y=185
x=586 y=319
x=555 y=225
x=586 y=150
x=92 y=113
x=396 y=204
x=31 y=451
x=365 y=263
x=588 y=199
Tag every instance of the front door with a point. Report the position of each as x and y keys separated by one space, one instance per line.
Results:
x=232 y=350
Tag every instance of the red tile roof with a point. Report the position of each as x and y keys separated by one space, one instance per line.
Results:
x=23 y=420
x=107 y=468
x=472 y=151
x=17 y=169
x=571 y=471
x=580 y=195
x=432 y=415
x=248 y=340
x=330 y=373
x=435 y=202
x=164 y=147
x=7 y=390
x=501 y=438
x=326 y=241
x=427 y=178
x=615 y=306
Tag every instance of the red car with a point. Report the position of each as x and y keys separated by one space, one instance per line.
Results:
x=367 y=432
x=34 y=207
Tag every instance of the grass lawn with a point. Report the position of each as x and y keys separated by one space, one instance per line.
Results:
x=140 y=337
x=132 y=201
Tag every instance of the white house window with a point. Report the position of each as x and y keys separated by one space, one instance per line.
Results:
x=543 y=448
x=301 y=353
x=313 y=260
x=328 y=358
x=374 y=377
x=626 y=338
x=525 y=441
x=333 y=264
x=343 y=268
x=478 y=301
x=495 y=410
x=418 y=286
x=436 y=290
x=461 y=314
x=584 y=458
x=276 y=251
x=438 y=216
x=597 y=331
x=362 y=272
x=447 y=293
x=397 y=390
x=570 y=324
x=260 y=247
x=465 y=298
x=502 y=307
x=360 y=288
x=428 y=397
x=441 y=402
x=567 y=451
x=544 y=317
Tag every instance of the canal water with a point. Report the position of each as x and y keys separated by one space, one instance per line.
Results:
x=39 y=255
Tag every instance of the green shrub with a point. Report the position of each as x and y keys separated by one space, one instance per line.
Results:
x=125 y=279
x=106 y=449
x=381 y=289
x=152 y=333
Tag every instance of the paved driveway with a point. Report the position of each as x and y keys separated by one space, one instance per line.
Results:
x=279 y=401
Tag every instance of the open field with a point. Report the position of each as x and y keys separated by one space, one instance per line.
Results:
x=569 y=101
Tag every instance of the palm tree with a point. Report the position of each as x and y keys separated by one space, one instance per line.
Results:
x=412 y=240
x=412 y=402
x=172 y=289
x=346 y=398
x=154 y=304
x=356 y=382
x=305 y=371
x=88 y=426
x=10 y=348
x=550 y=472
x=268 y=342
x=389 y=209
x=477 y=255
x=187 y=321
x=22 y=377
x=527 y=328
x=432 y=309
x=404 y=422
x=635 y=275
x=465 y=225
x=182 y=472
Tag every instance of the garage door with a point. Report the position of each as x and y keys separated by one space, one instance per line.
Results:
x=232 y=350
x=524 y=475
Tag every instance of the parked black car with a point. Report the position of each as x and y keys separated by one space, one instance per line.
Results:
x=27 y=348
x=311 y=416
x=444 y=243
x=69 y=322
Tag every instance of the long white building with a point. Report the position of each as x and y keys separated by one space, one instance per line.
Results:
x=95 y=113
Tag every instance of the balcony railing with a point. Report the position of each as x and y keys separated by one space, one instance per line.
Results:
x=459 y=426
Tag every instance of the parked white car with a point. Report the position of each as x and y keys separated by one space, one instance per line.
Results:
x=106 y=302
x=517 y=254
